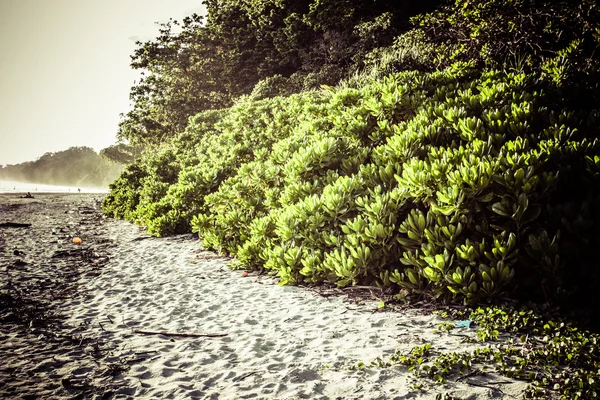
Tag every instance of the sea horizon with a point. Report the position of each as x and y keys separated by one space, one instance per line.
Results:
x=30 y=187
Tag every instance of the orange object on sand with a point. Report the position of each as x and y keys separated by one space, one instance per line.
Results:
x=76 y=240
x=244 y=274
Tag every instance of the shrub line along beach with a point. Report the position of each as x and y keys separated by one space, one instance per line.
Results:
x=125 y=315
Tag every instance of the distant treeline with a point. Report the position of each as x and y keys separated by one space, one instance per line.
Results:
x=76 y=166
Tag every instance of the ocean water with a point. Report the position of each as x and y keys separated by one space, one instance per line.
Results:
x=24 y=187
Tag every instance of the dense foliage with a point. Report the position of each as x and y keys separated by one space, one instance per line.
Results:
x=449 y=183
x=76 y=166
x=455 y=159
x=555 y=36
x=443 y=169
x=122 y=153
x=283 y=46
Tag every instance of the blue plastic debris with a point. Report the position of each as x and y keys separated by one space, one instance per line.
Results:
x=464 y=324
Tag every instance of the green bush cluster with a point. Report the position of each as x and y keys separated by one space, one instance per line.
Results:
x=459 y=184
x=164 y=188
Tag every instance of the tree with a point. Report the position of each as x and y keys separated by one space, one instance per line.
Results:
x=121 y=153
x=76 y=166
x=203 y=64
x=520 y=34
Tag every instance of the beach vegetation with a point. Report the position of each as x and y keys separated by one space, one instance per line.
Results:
x=462 y=185
x=558 y=359
x=260 y=48
x=453 y=157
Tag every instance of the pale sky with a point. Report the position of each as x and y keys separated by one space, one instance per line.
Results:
x=64 y=69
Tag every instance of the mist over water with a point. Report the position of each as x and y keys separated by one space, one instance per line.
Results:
x=24 y=187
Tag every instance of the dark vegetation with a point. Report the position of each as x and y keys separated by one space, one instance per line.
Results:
x=76 y=166
x=445 y=151
x=265 y=48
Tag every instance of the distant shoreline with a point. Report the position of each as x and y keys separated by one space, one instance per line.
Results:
x=17 y=187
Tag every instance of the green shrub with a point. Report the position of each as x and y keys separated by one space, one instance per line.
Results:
x=459 y=184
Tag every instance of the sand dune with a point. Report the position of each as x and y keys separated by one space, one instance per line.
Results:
x=263 y=341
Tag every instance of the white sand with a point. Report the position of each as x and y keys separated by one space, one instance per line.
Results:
x=280 y=340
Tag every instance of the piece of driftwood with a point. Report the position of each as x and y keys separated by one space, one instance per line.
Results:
x=487 y=386
x=180 y=334
x=242 y=377
x=14 y=225
x=137 y=239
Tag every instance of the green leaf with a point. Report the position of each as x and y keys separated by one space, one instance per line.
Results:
x=499 y=209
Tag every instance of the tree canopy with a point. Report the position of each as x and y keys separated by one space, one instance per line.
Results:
x=206 y=63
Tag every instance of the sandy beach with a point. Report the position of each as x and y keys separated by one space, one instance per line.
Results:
x=124 y=315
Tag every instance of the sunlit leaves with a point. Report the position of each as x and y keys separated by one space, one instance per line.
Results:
x=431 y=183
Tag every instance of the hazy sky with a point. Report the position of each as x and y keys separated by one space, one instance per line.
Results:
x=64 y=69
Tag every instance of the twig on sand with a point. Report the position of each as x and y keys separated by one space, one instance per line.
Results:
x=14 y=225
x=485 y=386
x=361 y=287
x=142 y=353
x=180 y=334
x=139 y=238
x=242 y=377
x=476 y=372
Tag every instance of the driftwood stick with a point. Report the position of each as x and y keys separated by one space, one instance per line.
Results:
x=14 y=225
x=484 y=386
x=180 y=334
x=361 y=287
x=242 y=377
x=460 y=378
x=142 y=353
